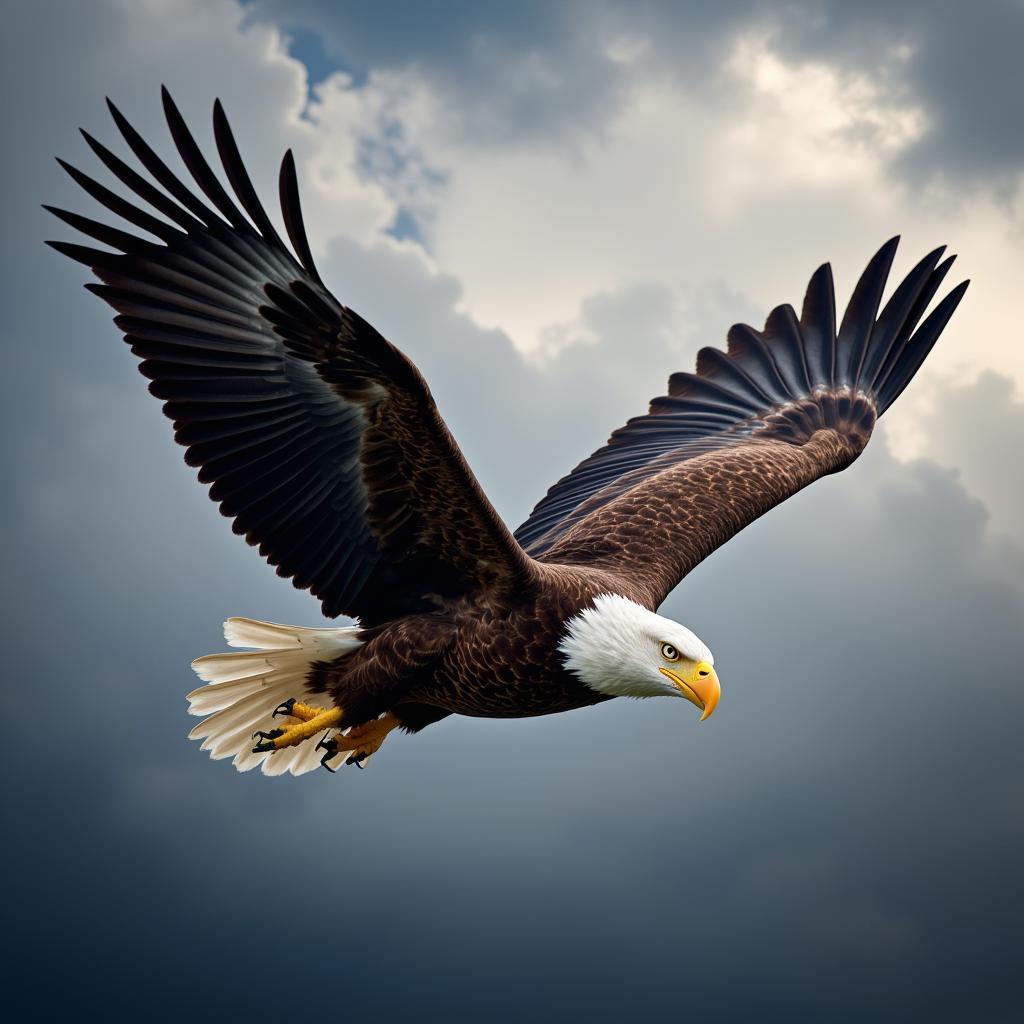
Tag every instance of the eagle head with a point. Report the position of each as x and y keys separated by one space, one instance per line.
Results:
x=619 y=648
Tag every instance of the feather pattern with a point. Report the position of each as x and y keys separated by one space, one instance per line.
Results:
x=758 y=406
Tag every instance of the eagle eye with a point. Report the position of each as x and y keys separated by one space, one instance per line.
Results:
x=669 y=653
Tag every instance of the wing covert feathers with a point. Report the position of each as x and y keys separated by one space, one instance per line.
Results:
x=318 y=437
x=784 y=383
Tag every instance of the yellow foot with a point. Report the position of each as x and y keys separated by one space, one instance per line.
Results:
x=277 y=739
x=293 y=709
x=359 y=742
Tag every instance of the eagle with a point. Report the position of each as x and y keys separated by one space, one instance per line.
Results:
x=320 y=440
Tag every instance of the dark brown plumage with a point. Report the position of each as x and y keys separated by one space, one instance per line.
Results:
x=320 y=440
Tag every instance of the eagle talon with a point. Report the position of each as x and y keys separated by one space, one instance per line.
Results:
x=328 y=743
x=325 y=759
x=285 y=708
x=267 y=738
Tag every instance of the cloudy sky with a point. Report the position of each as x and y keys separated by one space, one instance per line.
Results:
x=549 y=207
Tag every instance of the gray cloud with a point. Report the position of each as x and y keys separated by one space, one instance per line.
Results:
x=982 y=458
x=964 y=70
x=531 y=70
x=840 y=842
x=513 y=70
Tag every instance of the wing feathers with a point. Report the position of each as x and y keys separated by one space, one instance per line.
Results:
x=714 y=365
x=269 y=378
x=101 y=232
x=859 y=318
x=894 y=316
x=785 y=383
x=935 y=279
x=785 y=344
x=160 y=171
x=239 y=176
x=138 y=184
x=747 y=346
x=918 y=347
x=197 y=165
x=288 y=186
x=818 y=326
x=121 y=207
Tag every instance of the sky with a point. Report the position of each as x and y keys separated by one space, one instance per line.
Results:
x=549 y=207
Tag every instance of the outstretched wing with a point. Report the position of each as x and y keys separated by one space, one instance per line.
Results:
x=751 y=427
x=319 y=438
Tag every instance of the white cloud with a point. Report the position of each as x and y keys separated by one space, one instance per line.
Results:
x=803 y=125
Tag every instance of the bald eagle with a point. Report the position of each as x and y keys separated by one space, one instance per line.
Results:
x=321 y=441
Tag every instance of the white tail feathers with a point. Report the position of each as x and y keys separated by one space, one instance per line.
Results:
x=242 y=690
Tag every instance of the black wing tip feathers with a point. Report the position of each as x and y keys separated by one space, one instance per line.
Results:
x=789 y=361
x=956 y=293
x=115 y=112
x=852 y=341
x=291 y=208
x=885 y=253
x=194 y=214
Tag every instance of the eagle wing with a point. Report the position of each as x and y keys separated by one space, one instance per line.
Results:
x=318 y=437
x=751 y=427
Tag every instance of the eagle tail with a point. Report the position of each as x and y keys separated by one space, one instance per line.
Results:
x=243 y=689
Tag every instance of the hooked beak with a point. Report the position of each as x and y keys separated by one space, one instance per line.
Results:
x=700 y=687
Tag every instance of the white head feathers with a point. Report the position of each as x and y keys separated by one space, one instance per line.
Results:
x=615 y=647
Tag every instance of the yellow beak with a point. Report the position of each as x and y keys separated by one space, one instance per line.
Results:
x=700 y=687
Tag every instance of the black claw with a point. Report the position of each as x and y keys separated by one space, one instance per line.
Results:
x=329 y=744
x=266 y=740
x=325 y=759
x=285 y=708
x=356 y=759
